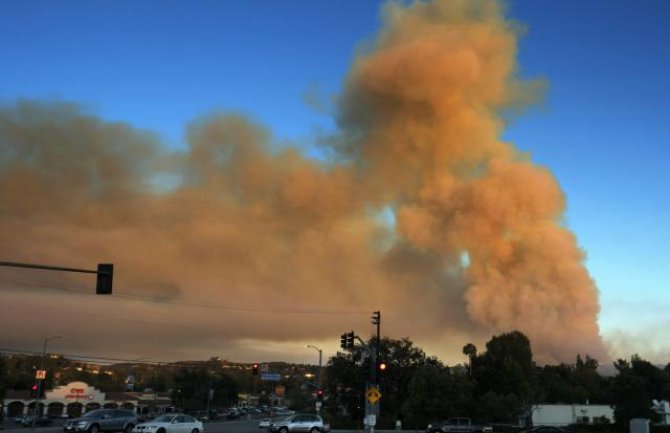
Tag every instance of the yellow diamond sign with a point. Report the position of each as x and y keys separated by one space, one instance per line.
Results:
x=373 y=394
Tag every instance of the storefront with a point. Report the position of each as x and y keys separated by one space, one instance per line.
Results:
x=76 y=398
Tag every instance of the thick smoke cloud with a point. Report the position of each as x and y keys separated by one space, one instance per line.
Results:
x=235 y=245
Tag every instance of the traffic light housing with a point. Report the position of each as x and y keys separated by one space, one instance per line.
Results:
x=103 y=285
x=319 y=394
x=35 y=391
x=347 y=340
x=254 y=369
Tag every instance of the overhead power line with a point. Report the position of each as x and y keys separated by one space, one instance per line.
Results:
x=263 y=308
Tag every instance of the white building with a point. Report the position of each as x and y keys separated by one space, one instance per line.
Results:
x=663 y=409
x=76 y=398
x=565 y=414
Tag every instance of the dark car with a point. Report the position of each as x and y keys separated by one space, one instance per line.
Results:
x=545 y=429
x=103 y=420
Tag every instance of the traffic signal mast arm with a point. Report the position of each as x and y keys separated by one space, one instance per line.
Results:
x=105 y=273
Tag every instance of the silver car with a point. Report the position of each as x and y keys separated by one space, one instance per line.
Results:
x=102 y=420
x=307 y=423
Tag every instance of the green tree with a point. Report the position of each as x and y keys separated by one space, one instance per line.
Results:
x=631 y=397
x=498 y=407
x=507 y=367
x=4 y=379
x=346 y=383
x=436 y=392
x=470 y=350
x=403 y=359
x=349 y=374
x=656 y=381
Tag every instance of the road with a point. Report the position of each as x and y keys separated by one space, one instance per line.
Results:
x=237 y=426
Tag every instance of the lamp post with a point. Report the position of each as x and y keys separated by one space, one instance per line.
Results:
x=40 y=382
x=318 y=375
x=318 y=372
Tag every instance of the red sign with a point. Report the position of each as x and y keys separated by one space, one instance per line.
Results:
x=76 y=393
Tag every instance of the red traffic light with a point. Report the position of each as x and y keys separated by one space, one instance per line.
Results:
x=254 y=369
x=34 y=387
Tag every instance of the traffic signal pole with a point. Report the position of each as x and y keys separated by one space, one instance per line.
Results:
x=372 y=393
x=105 y=273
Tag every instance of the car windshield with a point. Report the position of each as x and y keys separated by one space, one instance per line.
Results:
x=164 y=418
x=92 y=414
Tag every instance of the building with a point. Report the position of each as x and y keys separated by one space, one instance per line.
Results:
x=662 y=408
x=565 y=414
x=75 y=398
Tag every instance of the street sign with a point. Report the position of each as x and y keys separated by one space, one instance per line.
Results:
x=41 y=374
x=274 y=377
x=373 y=394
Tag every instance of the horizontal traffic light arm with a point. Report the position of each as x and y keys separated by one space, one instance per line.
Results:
x=105 y=273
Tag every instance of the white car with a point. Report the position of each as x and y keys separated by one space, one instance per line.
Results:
x=170 y=423
x=264 y=423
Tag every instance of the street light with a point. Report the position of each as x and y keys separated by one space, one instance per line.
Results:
x=318 y=372
x=40 y=382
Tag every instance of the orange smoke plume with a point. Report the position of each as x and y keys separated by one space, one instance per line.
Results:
x=295 y=249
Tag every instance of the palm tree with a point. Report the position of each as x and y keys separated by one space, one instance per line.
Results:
x=471 y=351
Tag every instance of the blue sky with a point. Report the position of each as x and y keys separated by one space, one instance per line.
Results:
x=603 y=131
x=602 y=128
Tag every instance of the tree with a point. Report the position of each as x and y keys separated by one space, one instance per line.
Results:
x=435 y=392
x=349 y=373
x=470 y=350
x=631 y=397
x=3 y=377
x=403 y=360
x=656 y=381
x=506 y=367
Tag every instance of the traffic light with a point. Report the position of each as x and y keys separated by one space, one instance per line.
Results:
x=254 y=369
x=350 y=340
x=35 y=391
x=347 y=340
x=319 y=394
x=103 y=285
x=381 y=366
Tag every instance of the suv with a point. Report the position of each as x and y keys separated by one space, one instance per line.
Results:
x=300 y=423
x=103 y=420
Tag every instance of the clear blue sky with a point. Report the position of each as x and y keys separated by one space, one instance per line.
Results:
x=603 y=128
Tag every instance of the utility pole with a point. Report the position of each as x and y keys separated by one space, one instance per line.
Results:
x=374 y=357
x=40 y=380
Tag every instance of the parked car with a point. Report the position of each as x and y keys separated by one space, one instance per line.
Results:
x=171 y=423
x=545 y=429
x=300 y=423
x=36 y=421
x=457 y=425
x=103 y=420
x=233 y=413
x=264 y=423
x=19 y=419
